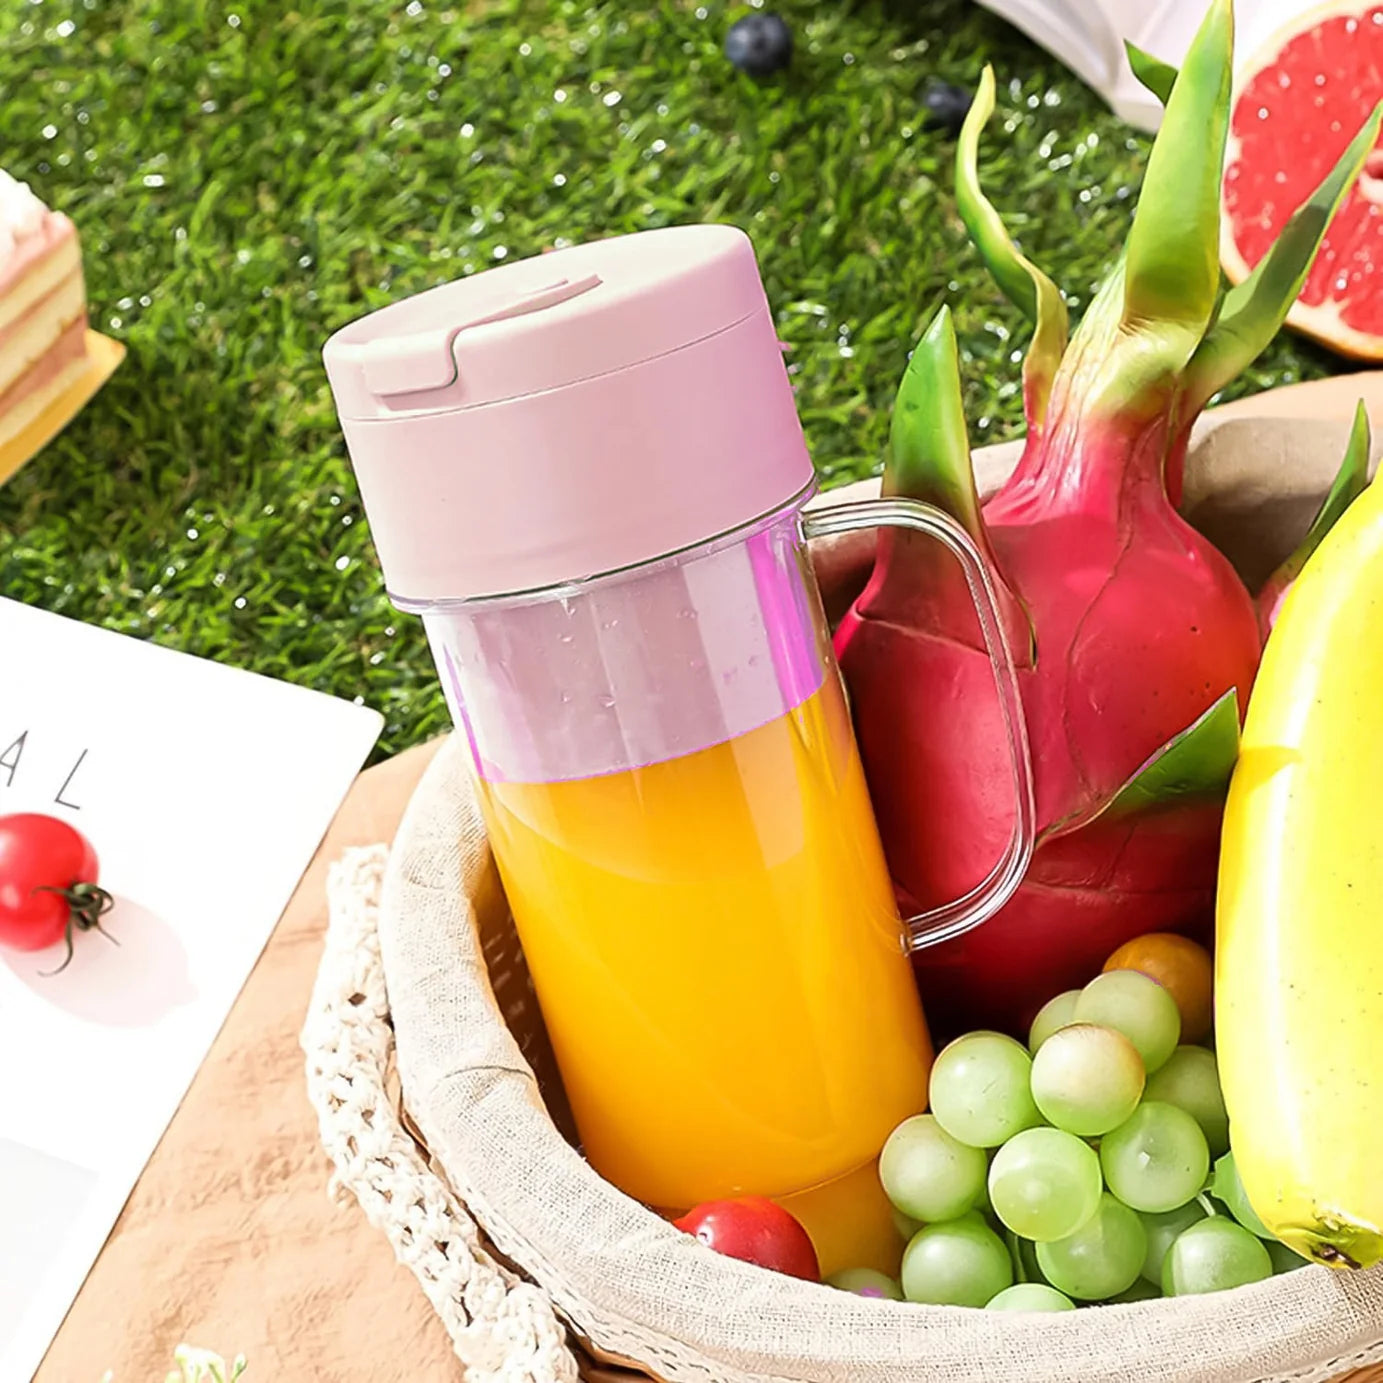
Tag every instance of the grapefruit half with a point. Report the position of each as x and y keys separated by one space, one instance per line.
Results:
x=1298 y=102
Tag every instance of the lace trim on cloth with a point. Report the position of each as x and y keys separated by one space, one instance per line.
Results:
x=503 y=1328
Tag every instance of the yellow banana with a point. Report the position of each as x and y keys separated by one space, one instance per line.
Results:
x=1299 y=954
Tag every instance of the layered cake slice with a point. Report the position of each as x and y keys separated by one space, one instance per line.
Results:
x=42 y=306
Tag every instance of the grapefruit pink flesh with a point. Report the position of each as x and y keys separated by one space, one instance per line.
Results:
x=1299 y=101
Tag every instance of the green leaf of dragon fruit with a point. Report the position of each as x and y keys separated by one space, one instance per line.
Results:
x=1252 y=312
x=1155 y=75
x=1194 y=765
x=928 y=448
x=1255 y=309
x=929 y=461
x=1350 y=482
x=1022 y=282
x=1172 y=276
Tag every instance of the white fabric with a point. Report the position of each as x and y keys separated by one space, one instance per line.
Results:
x=503 y=1328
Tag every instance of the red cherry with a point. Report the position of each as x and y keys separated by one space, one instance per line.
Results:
x=757 y=1231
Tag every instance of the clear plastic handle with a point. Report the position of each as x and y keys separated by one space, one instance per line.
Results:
x=988 y=896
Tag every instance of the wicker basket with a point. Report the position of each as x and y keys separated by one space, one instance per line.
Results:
x=543 y=1271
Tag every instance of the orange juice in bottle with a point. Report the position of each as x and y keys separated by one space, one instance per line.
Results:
x=720 y=963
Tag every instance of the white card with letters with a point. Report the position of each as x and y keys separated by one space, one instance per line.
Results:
x=205 y=791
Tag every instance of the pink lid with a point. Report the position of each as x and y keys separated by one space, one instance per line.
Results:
x=567 y=415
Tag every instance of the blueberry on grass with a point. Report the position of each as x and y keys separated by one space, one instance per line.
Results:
x=759 y=44
x=946 y=105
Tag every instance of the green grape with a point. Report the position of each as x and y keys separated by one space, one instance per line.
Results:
x=1213 y=1255
x=1102 y=1258
x=981 y=1091
x=1190 y=1079
x=984 y=1205
x=1030 y=1268
x=865 y=1282
x=1136 y=1006
x=905 y=1224
x=927 y=1174
x=1162 y=1231
x=1156 y=1159
x=1045 y=1184
x=973 y=1217
x=1087 y=1080
x=959 y=1264
x=1054 y=1014
x=1031 y=1296
x=1284 y=1260
x=1142 y=1290
x=1228 y=1188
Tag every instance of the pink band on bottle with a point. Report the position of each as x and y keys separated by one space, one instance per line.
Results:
x=636 y=668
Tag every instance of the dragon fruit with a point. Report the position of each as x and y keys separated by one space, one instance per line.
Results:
x=1135 y=641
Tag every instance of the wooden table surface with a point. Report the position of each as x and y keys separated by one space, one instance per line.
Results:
x=229 y=1240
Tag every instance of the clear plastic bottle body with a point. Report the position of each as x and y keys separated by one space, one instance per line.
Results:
x=669 y=777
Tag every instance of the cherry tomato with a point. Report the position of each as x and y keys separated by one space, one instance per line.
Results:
x=757 y=1231
x=48 y=889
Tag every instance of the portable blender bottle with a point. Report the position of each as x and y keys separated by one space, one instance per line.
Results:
x=586 y=473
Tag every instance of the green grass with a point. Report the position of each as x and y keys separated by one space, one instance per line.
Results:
x=248 y=176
